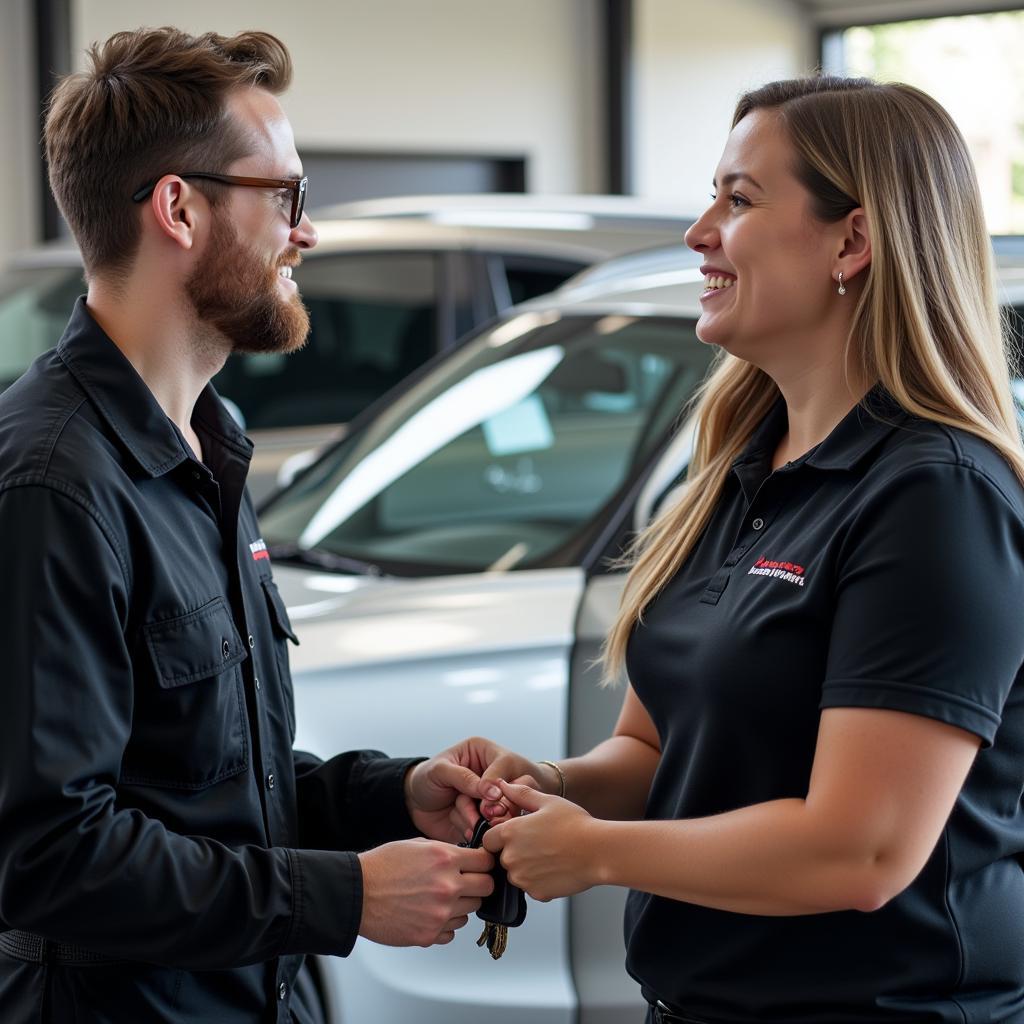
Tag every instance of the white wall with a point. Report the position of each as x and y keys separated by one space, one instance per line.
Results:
x=483 y=77
x=463 y=76
x=692 y=60
x=19 y=167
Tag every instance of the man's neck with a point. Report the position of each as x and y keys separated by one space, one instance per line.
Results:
x=164 y=344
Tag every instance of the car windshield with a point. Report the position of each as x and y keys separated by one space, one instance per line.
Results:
x=502 y=457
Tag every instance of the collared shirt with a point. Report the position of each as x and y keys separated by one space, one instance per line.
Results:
x=884 y=569
x=152 y=810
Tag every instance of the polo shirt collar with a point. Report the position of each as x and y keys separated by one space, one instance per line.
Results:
x=127 y=405
x=865 y=426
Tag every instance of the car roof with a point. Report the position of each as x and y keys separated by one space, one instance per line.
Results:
x=586 y=245
x=588 y=228
x=490 y=209
x=661 y=280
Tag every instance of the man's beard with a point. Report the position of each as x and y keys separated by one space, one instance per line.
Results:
x=233 y=291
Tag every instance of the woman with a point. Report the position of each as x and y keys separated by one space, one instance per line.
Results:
x=821 y=739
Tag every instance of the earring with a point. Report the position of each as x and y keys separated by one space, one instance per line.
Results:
x=842 y=287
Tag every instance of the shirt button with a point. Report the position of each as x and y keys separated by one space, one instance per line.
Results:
x=282 y=991
x=252 y=642
x=757 y=524
x=257 y=685
x=226 y=648
x=271 y=781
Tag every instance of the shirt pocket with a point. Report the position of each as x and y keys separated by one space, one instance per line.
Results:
x=189 y=729
x=283 y=632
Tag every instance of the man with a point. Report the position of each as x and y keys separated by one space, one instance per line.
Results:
x=164 y=855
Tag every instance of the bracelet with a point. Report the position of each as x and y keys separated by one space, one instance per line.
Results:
x=561 y=776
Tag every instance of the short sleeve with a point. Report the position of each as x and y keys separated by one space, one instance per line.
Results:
x=929 y=600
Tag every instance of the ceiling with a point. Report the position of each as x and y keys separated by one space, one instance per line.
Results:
x=844 y=12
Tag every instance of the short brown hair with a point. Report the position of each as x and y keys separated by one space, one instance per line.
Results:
x=152 y=102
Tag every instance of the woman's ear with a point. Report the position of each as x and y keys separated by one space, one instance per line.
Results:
x=855 y=245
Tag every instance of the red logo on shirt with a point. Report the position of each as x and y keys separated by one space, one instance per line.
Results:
x=259 y=550
x=789 y=572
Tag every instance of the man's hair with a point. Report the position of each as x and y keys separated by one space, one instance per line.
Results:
x=153 y=102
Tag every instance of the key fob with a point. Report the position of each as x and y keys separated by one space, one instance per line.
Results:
x=507 y=904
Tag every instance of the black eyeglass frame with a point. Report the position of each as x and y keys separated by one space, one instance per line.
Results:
x=296 y=185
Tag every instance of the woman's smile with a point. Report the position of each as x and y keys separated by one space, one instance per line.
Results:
x=715 y=286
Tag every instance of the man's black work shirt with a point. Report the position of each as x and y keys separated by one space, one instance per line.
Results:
x=151 y=809
x=884 y=569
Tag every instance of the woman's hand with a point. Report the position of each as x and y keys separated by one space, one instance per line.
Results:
x=552 y=849
x=446 y=795
x=520 y=771
x=502 y=764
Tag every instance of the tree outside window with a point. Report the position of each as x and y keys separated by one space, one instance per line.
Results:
x=972 y=65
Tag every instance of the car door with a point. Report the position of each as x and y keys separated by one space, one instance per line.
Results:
x=605 y=993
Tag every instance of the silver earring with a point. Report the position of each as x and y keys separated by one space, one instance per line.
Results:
x=842 y=287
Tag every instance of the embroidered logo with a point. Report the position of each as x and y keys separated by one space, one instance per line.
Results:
x=789 y=572
x=259 y=550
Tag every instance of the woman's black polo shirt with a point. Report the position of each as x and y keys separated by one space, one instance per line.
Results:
x=883 y=569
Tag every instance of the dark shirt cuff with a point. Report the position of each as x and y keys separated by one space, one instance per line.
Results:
x=377 y=790
x=327 y=902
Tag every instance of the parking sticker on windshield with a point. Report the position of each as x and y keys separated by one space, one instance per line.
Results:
x=523 y=427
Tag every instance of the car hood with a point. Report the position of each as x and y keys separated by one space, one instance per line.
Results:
x=348 y=621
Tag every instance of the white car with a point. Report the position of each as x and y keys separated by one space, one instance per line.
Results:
x=448 y=569
x=392 y=283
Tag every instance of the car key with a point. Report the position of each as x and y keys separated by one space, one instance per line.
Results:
x=505 y=908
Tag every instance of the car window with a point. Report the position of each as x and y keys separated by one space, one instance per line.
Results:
x=502 y=456
x=34 y=310
x=527 y=277
x=1013 y=318
x=373 y=319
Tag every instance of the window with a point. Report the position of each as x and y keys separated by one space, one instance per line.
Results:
x=528 y=278
x=972 y=65
x=505 y=455
x=373 y=319
x=34 y=309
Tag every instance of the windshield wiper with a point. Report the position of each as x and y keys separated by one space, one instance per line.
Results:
x=318 y=558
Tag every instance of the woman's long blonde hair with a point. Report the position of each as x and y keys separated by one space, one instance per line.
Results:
x=926 y=326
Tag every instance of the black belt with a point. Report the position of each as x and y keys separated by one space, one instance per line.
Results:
x=661 y=1014
x=34 y=949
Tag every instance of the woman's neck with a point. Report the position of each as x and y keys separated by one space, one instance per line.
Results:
x=816 y=403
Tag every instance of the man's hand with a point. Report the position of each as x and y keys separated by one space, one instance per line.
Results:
x=418 y=892
x=442 y=793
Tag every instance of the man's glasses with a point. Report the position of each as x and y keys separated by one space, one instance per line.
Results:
x=297 y=187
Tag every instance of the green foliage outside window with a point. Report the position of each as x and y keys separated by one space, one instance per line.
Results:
x=972 y=64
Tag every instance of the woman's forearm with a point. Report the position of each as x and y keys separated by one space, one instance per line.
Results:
x=612 y=780
x=772 y=859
